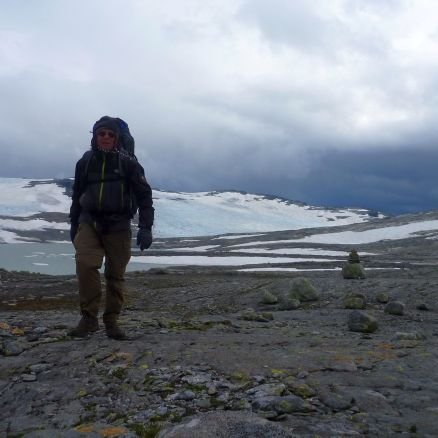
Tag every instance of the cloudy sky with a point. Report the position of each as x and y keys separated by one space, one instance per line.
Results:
x=330 y=102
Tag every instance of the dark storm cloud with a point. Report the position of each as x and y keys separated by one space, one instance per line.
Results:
x=396 y=181
x=281 y=97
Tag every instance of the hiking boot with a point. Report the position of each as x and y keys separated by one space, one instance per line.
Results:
x=86 y=325
x=113 y=331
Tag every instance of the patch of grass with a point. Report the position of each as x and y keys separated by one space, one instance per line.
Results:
x=150 y=430
x=119 y=372
x=239 y=377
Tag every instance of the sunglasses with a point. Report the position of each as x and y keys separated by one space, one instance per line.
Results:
x=110 y=134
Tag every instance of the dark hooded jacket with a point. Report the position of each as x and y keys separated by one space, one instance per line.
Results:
x=108 y=188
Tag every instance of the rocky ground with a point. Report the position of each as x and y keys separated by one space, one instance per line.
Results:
x=222 y=353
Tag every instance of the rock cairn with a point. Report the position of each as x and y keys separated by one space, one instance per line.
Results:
x=353 y=269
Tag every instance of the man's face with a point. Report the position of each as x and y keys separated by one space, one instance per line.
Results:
x=106 y=139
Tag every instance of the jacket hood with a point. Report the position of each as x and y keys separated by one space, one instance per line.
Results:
x=107 y=122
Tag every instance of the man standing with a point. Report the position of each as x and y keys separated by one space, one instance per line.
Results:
x=109 y=187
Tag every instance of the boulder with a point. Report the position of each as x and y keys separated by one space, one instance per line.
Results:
x=422 y=306
x=269 y=298
x=382 y=298
x=359 y=321
x=302 y=289
x=355 y=301
x=286 y=303
x=395 y=308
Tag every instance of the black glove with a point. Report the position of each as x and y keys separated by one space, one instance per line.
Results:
x=73 y=231
x=144 y=238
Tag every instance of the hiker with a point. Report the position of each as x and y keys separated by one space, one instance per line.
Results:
x=109 y=187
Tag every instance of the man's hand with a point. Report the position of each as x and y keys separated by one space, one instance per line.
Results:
x=144 y=238
x=73 y=231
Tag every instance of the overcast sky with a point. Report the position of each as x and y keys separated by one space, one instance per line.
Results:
x=330 y=102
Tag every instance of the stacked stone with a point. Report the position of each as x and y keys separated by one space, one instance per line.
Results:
x=353 y=268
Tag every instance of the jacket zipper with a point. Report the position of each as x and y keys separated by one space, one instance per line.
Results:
x=102 y=182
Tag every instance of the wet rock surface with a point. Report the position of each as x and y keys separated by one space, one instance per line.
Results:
x=218 y=347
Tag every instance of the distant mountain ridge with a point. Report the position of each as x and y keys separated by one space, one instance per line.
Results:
x=178 y=214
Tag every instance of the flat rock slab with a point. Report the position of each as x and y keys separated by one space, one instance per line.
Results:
x=193 y=355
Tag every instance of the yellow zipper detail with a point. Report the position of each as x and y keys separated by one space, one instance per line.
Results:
x=101 y=182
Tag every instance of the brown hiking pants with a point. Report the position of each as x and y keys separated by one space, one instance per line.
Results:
x=91 y=247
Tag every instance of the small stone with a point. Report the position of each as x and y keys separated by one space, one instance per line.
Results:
x=211 y=389
x=11 y=348
x=360 y=417
x=359 y=321
x=291 y=403
x=184 y=395
x=29 y=377
x=286 y=303
x=382 y=298
x=412 y=336
x=203 y=403
x=355 y=301
x=299 y=388
x=271 y=415
x=395 y=308
x=251 y=315
x=162 y=411
x=39 y=367
x=223 y=398
x=40 y=330
x=422 y=306
x=337 y=401
x=281 y=405
x=269 y=298
x=5 y=333
x=343 y=365
x=248 y=314
x=197 y=379
x=267 y=390
x=302 y=289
